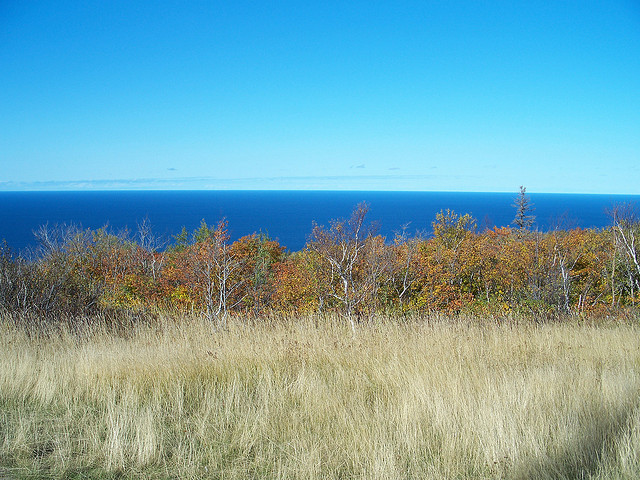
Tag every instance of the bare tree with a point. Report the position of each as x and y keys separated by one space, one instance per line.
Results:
x=62 y=258
x=354 y=256
x=152 y=256
x=16 y=282
x=215 y=267
x=52 y=282
x=407 y=249
x=626 y=237
x=565 y=258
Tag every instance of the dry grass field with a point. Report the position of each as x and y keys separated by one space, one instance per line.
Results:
x=306 y=399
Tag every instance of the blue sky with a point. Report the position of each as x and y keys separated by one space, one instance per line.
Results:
x=442 y=95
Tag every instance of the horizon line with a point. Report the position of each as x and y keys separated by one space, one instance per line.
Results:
x=327 y=190
x=360 y=183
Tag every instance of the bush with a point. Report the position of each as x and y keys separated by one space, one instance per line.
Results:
x=47 y=289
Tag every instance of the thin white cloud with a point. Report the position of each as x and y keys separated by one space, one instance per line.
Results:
x=329 y=182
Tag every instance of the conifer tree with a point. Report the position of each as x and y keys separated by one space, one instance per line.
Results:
x=523 y=219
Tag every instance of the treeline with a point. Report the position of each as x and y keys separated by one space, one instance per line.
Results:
x=345 y=267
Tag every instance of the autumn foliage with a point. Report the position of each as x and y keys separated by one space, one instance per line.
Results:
x=345 y=267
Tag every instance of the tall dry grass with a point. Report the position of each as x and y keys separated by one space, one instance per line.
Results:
x=307 y=399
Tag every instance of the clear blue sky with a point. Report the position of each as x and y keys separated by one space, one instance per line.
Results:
x=371 y=95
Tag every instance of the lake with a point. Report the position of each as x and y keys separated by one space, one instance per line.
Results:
x=284 y=215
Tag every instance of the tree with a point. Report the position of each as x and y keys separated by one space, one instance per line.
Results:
x=17 y=282
x=451 y=229
x=56 y=282
x=180 y=241
x=301 y=286
x=626 y=237
x=215 y=269
x=446 y=276
x=405 y=270
x=567 y=248
x=151 y=255
x=257 y=254
x=354 y=257
x=523 y=219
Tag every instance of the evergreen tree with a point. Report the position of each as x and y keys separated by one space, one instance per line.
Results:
x=523 y=219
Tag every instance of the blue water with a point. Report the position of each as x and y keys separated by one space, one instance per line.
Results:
x=284 y=215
